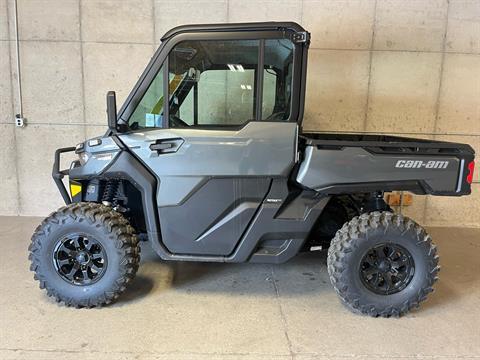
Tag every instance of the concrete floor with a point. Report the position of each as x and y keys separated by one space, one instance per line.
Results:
x=215 y=311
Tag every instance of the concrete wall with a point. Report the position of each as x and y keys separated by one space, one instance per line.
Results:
x=393 y=66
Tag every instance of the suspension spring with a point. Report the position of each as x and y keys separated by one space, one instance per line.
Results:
x=110 y=191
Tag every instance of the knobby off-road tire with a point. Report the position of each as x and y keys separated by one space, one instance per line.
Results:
x=355 y=241
x=106 y=232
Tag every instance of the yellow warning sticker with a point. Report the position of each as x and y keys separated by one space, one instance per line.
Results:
x=75 y=189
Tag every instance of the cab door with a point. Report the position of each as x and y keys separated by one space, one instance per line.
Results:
x=215 y=126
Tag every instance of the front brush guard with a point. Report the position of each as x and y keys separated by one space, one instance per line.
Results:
x=58 y=174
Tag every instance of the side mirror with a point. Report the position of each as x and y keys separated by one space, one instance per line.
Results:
x=112 y=110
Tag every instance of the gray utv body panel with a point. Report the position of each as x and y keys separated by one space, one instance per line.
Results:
x=251 y=193
x=352 y=163
x=323 y=169
x=213 y=181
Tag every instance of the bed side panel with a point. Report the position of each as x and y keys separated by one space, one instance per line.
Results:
x=324 y=168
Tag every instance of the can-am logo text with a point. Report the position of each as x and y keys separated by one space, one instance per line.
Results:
x=417 y=164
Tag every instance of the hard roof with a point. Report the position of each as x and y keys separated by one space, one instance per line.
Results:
x=251 y=26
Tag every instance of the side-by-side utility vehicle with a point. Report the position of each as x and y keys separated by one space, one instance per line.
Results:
x=207 y=161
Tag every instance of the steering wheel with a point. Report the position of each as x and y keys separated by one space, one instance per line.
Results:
x=176 y=122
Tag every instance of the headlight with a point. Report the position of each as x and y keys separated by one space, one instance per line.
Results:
x=83 y=156
x=103 y=156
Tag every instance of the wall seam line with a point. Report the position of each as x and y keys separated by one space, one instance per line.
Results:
x=442 y=62
x=85 y=42
x=154 y=17
x=64 y=124
x=439 y=93
x=372 y=42
x=82 y=70
x=228 y=11
x=311 y=47
x=393 y=50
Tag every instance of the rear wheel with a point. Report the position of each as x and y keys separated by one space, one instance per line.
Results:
x=84 y=254
x=382 y=264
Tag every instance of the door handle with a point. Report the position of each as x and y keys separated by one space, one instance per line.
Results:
x=166 y=146
x=161 y=146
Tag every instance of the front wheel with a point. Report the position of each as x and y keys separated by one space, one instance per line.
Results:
x=382 y=264
x=84 y=254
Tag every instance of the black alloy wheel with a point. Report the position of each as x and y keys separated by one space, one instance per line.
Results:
x=79 y=259
x=387 y=269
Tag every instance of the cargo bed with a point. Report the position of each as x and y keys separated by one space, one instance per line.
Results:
x=348 y=163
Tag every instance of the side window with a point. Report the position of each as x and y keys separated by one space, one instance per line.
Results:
x=217 y=82
x=149 y=111
x=213 y=82
x=277 y=80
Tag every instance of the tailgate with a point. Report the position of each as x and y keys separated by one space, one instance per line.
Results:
x=347 y=165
